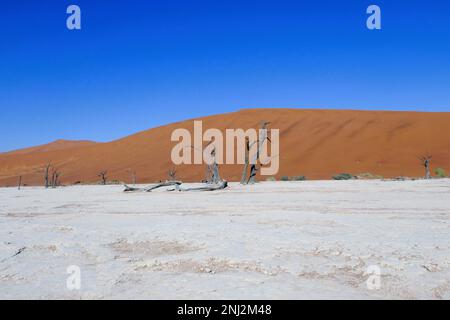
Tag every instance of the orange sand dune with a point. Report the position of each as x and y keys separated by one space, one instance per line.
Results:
x=55 y=145
x=314 y=143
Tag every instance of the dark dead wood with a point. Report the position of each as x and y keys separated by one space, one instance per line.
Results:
x=15 y=254
x=208 y=187
x=261 y=140
x=102 y=175
x=132 y=189
x=247 y=153
x=55 y=178
x=172 y=175
x=46 y=174
x=426 y=161
x=163 y=184
x=150 y=188
x=19 y=251
x=254 y=167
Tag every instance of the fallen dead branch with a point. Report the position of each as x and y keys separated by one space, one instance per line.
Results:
x=15 y=254
x=213 y=180
x=208 y=187
x=156 y=186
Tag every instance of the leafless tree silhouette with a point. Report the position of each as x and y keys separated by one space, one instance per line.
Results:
x=426 y=162
x=212 y=167
x=172 y=174
x=254 y=167
x=244 y=170
x=102 y=175
x=55 y=178
x=213 y=180
x=46 y=174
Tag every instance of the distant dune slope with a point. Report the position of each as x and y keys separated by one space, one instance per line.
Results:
x=314 y=143
x=52 y=146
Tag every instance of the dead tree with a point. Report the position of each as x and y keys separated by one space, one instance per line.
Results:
x=156 y=186
x=102 y=175
x=172 y=175
x=208 y=187
x=46 y=175
x=426 y=162
x=213 y=179
x=20 y=182
x=55 y=178
x=212 y=168
x=246 y=160
x=178 y=186
x=215 y=173
x=57 y=181
x=254 y=167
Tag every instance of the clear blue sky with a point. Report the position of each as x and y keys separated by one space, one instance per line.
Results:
x=140 y=64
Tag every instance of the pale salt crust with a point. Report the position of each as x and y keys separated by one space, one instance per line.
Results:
x=272 y=240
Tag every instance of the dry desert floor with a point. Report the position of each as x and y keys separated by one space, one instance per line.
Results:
x=272 y=240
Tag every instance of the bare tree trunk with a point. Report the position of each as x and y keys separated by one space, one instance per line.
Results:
x=208 y=174
x=252 y=177
x=163 y=184
x=55 y=177
x=426 y=162
x=102 y=175
x=254 y=167
x=244 y=171
x=216 y=174
x=53 y=180
x=213 y=180
x=149 y=189
x=208 y=187
x=213 y=175
x=46 y=173
x=172 y=175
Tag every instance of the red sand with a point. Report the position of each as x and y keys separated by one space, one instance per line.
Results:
x=52 y=146
x=314 y=143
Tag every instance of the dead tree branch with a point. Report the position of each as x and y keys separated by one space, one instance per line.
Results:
x=212 y=171
x=247 y=152
x=426 y=162
x=55 y=178
x=46 y=175
x=254 y=167
x=208 y=187
x=156 y=186
x=102 y=175
x=172 y=175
